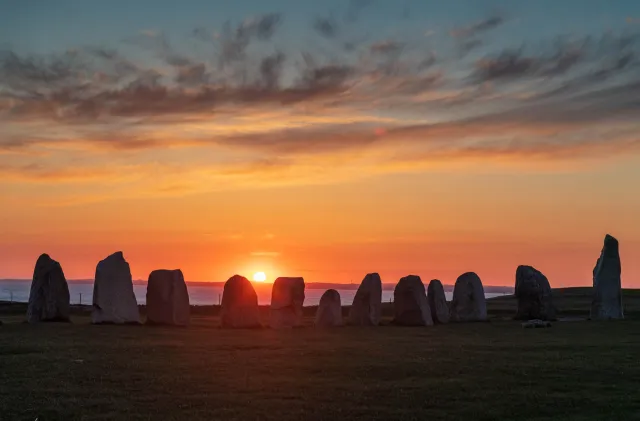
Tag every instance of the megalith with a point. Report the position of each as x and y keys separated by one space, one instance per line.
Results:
x=367 y=303
x=239 y=304
x=49 y=294
x=607 y=284
x=533 y=293
x=329 y=313
x=437 y=302
x=167 y=298
x=287 y=298
x=468 y=304
x=113 y=298
x=410 y=303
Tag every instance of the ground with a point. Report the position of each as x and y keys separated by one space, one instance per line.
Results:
x=578 y=370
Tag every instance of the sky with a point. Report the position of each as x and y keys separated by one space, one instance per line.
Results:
x=320 y=139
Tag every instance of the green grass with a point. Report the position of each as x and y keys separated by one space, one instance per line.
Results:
x=480 y=371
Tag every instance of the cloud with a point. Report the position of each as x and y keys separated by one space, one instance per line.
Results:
x=327 y=27
x=477 y=28
x=386 y=47
x=250 y=116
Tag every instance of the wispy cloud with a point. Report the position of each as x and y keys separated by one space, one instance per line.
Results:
x=250 y=116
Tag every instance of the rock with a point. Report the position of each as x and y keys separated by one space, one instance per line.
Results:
x=536 y=323
x=607 y=293
x=410 y=303
x=367 y=303
x=468 y=304
x=533 y=293
x=49 y=294
x=437 y=302
x=239 y=304
x=329 y=312
x=113 y=297
x=167 y=298
x=287 y=297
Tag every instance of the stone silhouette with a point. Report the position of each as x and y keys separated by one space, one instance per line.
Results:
x=533 y=293
x=437 y=302
x=468 y=304
x=167 y=298
x=410 y=303
x=607 y=293
x=287 y=298
x=239 y=304
x=113 y=297
x=329 y=312
x=49 y=294
x=367 y=303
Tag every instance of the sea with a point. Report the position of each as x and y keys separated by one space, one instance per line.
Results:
x=81 y=292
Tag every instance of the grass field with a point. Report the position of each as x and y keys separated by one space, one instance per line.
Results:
x=483 y=371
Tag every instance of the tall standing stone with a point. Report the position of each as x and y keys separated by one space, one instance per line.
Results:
x=287 y=298
x=410 y=303
x=329 y=312
x=468 y=304
x=113 y=298
x=239 y=304
x=167 y=298
x=367 y=303
x=437 y=302
x=607 y=285
x=533 y=293
x=49 y=294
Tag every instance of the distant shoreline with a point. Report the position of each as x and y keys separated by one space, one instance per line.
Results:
x=308 y=285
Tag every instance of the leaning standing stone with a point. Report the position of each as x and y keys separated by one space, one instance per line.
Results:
x=367 y=303
x=607 y=285
x=437 y=302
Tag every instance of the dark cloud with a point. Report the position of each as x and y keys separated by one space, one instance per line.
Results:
x=387 y=47
x=271 y=70
x=477 y=28
x=327 y=26
x=507 y=65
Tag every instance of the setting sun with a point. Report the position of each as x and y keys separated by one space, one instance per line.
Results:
x=259 y=277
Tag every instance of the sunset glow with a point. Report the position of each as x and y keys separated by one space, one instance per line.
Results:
x=321 y=139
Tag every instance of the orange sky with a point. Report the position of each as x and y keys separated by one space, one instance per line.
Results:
x=437 y=225
x=325 y=149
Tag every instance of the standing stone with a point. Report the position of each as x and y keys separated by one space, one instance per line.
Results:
x=468 y=304
x=437 y=302
x=113 y=297
x=287 y=297
x=607 y=293
x=410 y=303
x=167 y=298
x=329 y=312
x=367 y=303
x=49 y=294
x=239 y=304
x=534 y=295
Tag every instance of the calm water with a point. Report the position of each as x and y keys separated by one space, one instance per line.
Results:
x=82 y=293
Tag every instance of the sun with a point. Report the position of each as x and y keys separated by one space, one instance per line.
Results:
x=259 y=277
